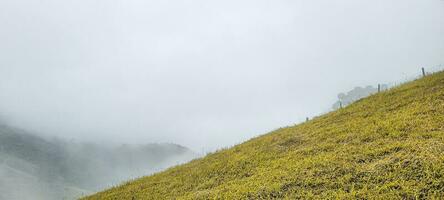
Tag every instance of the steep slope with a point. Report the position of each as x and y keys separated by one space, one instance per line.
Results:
x=390 y=146
x=30 y=166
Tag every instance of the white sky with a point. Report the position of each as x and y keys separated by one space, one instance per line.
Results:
x=201 y=73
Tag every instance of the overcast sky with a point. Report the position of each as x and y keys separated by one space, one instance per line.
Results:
x=201 y=73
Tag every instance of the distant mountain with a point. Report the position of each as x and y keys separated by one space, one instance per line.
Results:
x=35 y=168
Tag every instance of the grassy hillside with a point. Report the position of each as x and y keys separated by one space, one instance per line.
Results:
x=390 y=146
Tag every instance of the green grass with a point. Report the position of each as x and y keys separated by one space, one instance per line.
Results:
x=387 y=146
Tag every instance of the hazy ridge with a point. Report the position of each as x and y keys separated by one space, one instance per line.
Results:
x=32 y=167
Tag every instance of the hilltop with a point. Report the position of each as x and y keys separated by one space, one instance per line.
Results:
x=389 y=145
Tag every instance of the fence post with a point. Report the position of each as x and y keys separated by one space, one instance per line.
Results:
x=423 y=72
x=379 y=88
x=340 y=104
x=307 y=119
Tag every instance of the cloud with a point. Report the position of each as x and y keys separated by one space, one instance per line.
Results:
x=205 y=74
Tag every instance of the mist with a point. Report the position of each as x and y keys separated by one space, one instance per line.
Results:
x=97 y=92
x=32 y=167
x=203 y=74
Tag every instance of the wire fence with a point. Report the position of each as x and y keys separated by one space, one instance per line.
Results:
x=422 y=71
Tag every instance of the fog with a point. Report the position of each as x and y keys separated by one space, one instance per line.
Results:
x=203 y=74
x=35 y=168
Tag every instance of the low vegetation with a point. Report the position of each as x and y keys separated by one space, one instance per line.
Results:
x=389 y=145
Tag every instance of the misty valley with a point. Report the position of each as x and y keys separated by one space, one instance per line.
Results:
x=32 y=167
